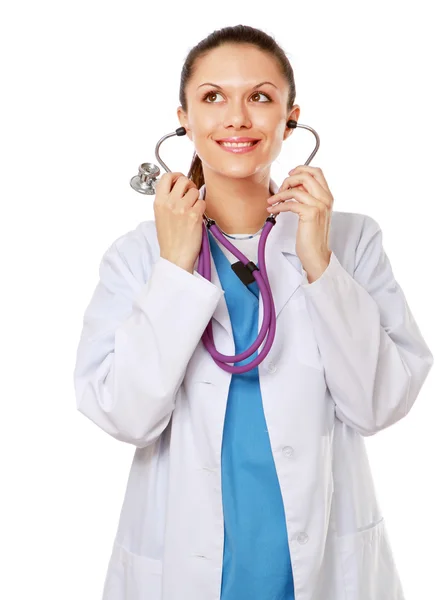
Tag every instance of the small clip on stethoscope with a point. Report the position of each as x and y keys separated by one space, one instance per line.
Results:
x=145 y=183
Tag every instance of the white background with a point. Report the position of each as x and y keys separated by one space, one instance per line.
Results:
x=88 y=90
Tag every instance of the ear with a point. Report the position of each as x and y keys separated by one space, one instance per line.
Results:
x=183 y=120
x=294 y=114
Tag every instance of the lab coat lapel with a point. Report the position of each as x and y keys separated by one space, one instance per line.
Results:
x=284 y=269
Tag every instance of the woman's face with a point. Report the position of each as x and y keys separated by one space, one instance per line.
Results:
x=239 y=109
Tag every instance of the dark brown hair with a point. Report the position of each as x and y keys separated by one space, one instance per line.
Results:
x=239 y=34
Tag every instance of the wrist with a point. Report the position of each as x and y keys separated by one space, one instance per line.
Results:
x=187 y=266
x=316 y=269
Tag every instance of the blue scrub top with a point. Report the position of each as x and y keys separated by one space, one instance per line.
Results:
x=256 y=561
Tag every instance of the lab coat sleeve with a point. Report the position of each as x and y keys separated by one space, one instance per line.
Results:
x=136 y=342
x=374 y=356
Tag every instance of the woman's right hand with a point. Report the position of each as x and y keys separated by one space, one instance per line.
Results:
x=179 y=216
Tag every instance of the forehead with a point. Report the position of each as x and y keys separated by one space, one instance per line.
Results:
x=236 y=65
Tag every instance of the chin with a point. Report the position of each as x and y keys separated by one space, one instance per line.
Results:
x=239 y=173
x=237 y=169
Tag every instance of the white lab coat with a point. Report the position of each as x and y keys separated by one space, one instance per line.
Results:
x=348 y=360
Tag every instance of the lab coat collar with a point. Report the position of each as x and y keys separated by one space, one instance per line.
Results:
x=285 y=273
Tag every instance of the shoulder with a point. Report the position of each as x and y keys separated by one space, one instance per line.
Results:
x=354 y=225
x=135 y=251
x=142 y=237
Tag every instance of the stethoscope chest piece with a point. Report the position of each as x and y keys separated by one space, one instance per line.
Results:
x=146 y=180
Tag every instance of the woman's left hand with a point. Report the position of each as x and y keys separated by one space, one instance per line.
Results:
x=314 y=206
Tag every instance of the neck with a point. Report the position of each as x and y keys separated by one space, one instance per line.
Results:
x=237 y=205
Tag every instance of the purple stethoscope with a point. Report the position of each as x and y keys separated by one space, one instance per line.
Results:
x=246 y=270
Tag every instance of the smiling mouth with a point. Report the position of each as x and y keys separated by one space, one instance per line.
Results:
x=238 y=144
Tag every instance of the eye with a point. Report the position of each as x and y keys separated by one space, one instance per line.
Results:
x=218 y=94
x=211 y=94
x=262 y=94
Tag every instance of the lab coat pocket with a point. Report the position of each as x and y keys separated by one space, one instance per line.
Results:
x=368 y=566
x=132 y=576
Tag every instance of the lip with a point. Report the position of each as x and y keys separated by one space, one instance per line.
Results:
x=238 y=139
x=243 y=150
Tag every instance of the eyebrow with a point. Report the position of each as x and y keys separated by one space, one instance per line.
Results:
x=254 y=88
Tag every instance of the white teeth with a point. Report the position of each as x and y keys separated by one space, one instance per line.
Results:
x=237 y=145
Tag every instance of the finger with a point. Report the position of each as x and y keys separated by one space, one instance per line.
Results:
x=310 y=184
x=316 y=172
x=182 y=184
x=300 y=196
x=304 y=210
x=199 y=206
x=166 y=182
x=190 y=197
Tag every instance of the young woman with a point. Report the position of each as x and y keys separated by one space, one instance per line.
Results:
x=253 y=485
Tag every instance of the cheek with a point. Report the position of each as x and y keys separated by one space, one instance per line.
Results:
x=276 y=131
x=275 y=147
x=202 y=126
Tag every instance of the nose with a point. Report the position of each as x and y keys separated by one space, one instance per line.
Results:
x=237 y=116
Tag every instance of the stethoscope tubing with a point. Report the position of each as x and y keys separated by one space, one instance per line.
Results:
x=269 y=323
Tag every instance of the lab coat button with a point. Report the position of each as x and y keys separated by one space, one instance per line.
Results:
x=288 y=451
x=302 y=538
x=271 y=367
